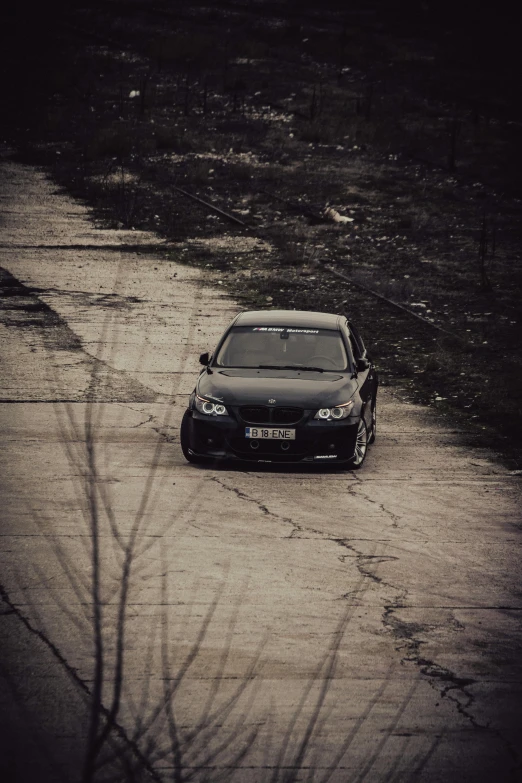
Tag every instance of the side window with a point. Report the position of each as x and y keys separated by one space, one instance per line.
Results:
x=354 y=346
x=355 y=338
x=349 y=338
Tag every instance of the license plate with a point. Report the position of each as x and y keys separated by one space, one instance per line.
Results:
x=272 y=433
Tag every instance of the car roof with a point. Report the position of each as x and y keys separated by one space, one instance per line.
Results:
x=296 y=318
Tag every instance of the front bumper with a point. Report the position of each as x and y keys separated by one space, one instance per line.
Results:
x=223 y=438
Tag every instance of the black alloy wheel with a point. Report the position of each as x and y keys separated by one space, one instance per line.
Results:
x=361 y=445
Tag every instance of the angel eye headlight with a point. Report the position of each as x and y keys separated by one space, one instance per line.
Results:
x=336 y=413
x=210 y=408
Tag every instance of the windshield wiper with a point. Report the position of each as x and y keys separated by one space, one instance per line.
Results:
x=289 y=367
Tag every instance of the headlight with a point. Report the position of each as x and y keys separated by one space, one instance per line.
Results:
x=336 y=413
x=210 y=408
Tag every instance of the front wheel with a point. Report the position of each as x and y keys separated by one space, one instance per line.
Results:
x=184 y=439
x=361 y=445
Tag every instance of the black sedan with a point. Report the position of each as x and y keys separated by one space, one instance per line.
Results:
x=283 y=386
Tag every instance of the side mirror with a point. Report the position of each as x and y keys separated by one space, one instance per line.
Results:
x=362 y=364
x=205 y=359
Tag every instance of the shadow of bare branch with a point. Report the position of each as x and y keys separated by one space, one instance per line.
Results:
x=168 y=698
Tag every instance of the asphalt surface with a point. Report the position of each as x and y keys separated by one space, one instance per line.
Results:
x=254 y=625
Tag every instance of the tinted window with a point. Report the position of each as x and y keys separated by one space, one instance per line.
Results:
x=252 y=346
x=354 y=346
x=356 y=338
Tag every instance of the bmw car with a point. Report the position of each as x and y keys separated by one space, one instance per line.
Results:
x=284 y=386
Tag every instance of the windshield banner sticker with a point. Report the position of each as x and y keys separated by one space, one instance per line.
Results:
x=284 y=329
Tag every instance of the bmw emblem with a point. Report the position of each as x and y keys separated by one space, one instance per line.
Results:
x=271 y=401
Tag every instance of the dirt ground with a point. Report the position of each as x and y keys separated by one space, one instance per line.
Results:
x=354 y=141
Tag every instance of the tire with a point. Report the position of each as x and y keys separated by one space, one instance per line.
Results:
x=373 y=432
x=361 y=446
x=184 y=439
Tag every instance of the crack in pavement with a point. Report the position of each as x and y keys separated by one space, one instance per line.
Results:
x=445 y=682
x=363 y=563
x=166 y=437
x=296 y=528
x=353 y=490
x=141 y=423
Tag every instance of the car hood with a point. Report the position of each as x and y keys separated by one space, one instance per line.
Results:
x=287 y=387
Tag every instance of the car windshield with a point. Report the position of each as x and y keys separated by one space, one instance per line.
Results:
x=285 y=347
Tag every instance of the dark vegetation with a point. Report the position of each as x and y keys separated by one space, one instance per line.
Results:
x=404 y=123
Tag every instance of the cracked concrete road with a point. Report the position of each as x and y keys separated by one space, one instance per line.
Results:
x=258 y=625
